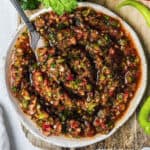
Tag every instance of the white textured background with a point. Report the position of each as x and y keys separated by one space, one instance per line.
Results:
x=8 y=24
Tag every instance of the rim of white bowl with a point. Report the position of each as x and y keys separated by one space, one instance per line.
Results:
x=73 y=142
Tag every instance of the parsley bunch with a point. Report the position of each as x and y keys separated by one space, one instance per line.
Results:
x=59 y=6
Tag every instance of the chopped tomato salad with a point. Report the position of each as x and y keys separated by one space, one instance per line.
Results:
x=86 y=75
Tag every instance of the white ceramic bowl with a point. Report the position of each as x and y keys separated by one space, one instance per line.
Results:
x=73 y=142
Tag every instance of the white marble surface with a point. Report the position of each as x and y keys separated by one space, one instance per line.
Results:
x=8 y=24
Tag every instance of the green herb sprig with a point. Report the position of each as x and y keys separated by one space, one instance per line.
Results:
x=29 y=4
x=60 y=6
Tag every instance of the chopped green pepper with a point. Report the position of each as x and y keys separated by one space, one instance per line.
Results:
x=61 y=26
x=144 y=116
x=85 y=13
x=26 y=97
x=89 y=87
x=14 y=89
x=60 y=60
x=42 y=116
x=53 y=65
x=25 y=104
x=40 y=78
x=91 y=107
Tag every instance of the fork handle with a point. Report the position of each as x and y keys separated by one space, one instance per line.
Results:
x=23 y=15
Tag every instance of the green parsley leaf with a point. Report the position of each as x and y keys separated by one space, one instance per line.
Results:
x=29 y=4
x=60 y=6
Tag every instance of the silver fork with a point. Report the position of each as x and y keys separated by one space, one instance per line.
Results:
x=36 y=40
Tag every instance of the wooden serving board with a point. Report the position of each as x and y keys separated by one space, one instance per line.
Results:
x=130 y=136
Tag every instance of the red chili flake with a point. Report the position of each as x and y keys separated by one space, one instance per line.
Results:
x=125 y=97
x=103 y=125
x=46 y=126
x=70 y=77
x=74 y=124
x=96 y=122
x=111 y=93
